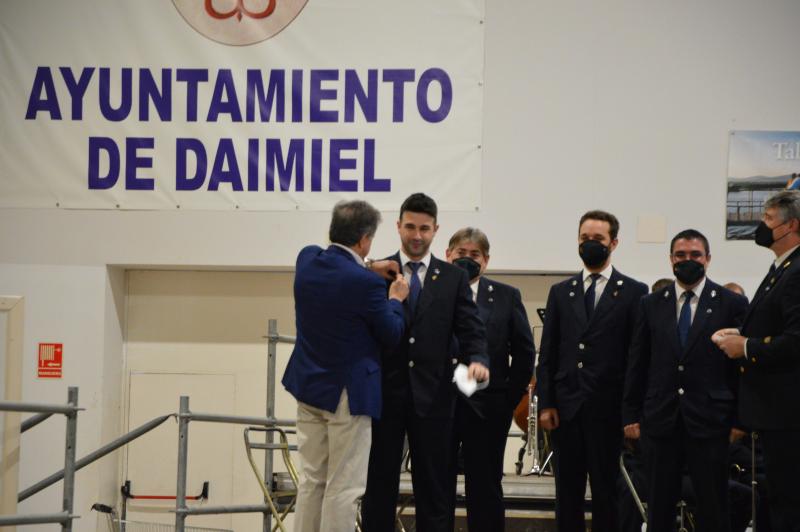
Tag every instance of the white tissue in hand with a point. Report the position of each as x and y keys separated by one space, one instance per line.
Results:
x=466 y=384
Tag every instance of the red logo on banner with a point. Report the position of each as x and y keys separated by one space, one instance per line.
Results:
x=239 y=22
x=238 y=10
x=50 y=360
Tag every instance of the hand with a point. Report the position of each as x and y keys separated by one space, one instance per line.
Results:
x=722 y=333
x=388 y=269
x=633 y=431
x=730 y=341
x=399 y=288
x=736 y=435
x=548 y=418
x=478 y=371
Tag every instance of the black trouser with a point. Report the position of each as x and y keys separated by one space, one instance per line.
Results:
x=783 y=470
x=429 y=441
x=587 y=445
x=483 y=444
x=706 y=459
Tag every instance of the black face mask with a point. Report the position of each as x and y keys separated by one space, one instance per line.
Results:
x=593 y=253
x=688 y=272
x=471 y=266
x=764 y=235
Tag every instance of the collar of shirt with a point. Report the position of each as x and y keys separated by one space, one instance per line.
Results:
x=423 y=269
x=785 y=256
x=426 y=262
x=697 y=291
x=355 y=255
x=474 y=286
x=605 y=275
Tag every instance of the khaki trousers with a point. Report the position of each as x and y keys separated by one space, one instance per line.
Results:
x=334 y=454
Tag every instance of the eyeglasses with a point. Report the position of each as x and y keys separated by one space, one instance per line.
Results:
x=682 y=255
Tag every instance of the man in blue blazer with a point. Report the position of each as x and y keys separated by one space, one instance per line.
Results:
x=418 y=393
x=344 y=322
x=482 y=420
x=588 y=325
x=680 y=390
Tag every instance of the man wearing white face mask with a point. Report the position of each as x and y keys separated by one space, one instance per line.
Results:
x=482 y=420
x=768 y=352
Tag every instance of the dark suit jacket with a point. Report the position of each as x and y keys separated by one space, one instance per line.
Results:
x=583 y=362
x=422 y=364
x=508 y=333
x=770 y=380
x=344 y=321
x=698 y=382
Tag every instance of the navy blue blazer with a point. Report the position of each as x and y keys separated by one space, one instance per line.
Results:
x=582 y=362
x=698 y=382
x=770 y=383
x=421 y=367
x=508 y=334
x=344 y=322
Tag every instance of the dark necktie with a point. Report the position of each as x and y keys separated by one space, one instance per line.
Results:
x=589 y=296
x=685 y=318
x=765 y=283
x=415 y=286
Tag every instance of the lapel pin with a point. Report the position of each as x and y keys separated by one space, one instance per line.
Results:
x=786 y=264
x=666 y=294
x=436 y=271
x=491 y=299
x=772 y=281
x=615 y=293
x=766 y=289
x=713 y=293
x=491 y=288
x=433 y=277
x=619 y=283
x=572 y=294
x=574 y=282
x=708 y=311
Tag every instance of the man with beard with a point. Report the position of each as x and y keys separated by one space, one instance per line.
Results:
x=418 y=393
x=768 y=352
x=680 y=390
x=588 y=325
x=482 y=420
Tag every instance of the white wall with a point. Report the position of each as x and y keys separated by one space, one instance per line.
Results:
x=63 y=304
x=623 y=105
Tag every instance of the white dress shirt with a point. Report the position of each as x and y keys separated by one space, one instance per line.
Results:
x=785 y=256
x=679 y=298
x=423 y=269
x=474 y=286
x=600 y=284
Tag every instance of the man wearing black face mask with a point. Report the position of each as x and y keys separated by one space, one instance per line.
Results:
x=680 y=389
x=482 y=420
x=768 y=353
x=587 y=330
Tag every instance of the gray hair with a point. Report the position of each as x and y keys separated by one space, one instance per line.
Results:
x=787 y=203
x=351 y=221
x=470 y=234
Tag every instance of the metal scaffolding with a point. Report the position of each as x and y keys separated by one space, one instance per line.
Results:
x=184 y=416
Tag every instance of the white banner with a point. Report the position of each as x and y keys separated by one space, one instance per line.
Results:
x=240 y=104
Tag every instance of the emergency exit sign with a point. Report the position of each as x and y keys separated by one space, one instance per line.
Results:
x=50 y=360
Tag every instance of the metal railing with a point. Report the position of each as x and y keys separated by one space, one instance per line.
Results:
x=70 y=410
x=184 y=416
x=182 y=511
